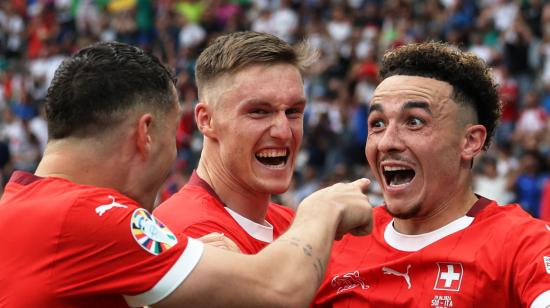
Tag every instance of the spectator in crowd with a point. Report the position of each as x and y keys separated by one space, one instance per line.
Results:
x=490 y=184
x=532 y=122
x=528 y=180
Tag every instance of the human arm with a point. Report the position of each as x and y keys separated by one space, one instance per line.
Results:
x=288 y=272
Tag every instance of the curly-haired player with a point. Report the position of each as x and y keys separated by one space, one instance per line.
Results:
x=435 y=243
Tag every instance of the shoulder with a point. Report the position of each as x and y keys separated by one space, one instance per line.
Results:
x=187 y=197
x=101 y=209
x=515 y=227
x=191 y=205
x=196 y=212
x=523 y=245
x=509 y=216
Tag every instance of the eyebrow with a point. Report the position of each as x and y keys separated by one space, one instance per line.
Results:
x=408 y=105
x=422 y=105
x=260 y=102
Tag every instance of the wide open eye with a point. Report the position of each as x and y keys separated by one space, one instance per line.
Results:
x=376 y=125
x=415 y=121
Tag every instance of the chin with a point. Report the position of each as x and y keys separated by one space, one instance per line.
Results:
x=403 y=212
x=276 y=188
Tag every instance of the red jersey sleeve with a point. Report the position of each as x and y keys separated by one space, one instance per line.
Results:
x=531 y=262
x=110 y=245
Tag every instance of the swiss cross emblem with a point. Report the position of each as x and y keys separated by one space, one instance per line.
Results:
x=449 y=276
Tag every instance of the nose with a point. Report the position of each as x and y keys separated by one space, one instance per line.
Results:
x=390 y=140
x=280 y=128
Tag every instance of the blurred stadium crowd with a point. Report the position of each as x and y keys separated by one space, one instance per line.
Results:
x=351 y=35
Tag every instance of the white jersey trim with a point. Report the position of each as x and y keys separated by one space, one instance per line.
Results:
x=173 y=277
x=410 y=243
x=542 y=301
x=260 y=232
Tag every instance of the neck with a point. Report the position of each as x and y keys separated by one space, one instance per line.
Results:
x=246 y=202
x=444 y=212
x=91 y=163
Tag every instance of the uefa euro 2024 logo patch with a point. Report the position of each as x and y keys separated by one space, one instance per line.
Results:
x=150 y=233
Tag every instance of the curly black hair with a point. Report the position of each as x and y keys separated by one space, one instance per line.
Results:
x=470 y=77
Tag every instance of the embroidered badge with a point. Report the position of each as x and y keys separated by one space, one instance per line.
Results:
x=449 y=276
x=348 y=281
x=150 y=233
x=547 y=264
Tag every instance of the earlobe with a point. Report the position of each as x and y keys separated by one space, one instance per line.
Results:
x=203 y=117
x=474 y=139
x=143 y=137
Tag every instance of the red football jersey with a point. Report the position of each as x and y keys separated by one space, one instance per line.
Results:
x=196 y=210
x=495 y=256
x=70 y=245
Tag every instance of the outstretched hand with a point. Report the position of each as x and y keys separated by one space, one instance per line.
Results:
x=348 y=201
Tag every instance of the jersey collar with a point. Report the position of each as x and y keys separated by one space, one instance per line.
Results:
x=24 y=178
x=254 y=229
x=410 y=243
x=258 y=231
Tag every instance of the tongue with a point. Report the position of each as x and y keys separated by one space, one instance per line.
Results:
x=402 y=177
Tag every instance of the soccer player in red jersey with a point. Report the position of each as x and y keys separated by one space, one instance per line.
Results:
x=435 y=243
x=251 y=115
x=75 y=234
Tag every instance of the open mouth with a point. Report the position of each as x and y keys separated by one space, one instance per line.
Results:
x=273 y=157
x=398 y=176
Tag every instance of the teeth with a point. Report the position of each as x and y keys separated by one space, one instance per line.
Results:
x=272 y=153
x=393 y=168
x=279 y=166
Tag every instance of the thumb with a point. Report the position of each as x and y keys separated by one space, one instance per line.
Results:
x=362 y=183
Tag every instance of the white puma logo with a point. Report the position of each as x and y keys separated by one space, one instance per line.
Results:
x=100 y=210
x=405 y=275
x=548 y=227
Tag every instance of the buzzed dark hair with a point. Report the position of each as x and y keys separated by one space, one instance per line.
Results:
x=469 y=76
x=93 y=90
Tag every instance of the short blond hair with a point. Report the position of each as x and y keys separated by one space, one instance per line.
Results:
x=235 y=51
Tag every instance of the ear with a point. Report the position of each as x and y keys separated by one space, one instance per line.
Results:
x=474 y=139
x=203 y=117
x=144 y=137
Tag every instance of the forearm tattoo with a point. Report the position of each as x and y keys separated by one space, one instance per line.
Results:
x=307 y=249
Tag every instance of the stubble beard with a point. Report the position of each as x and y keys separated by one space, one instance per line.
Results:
x=410 y=213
